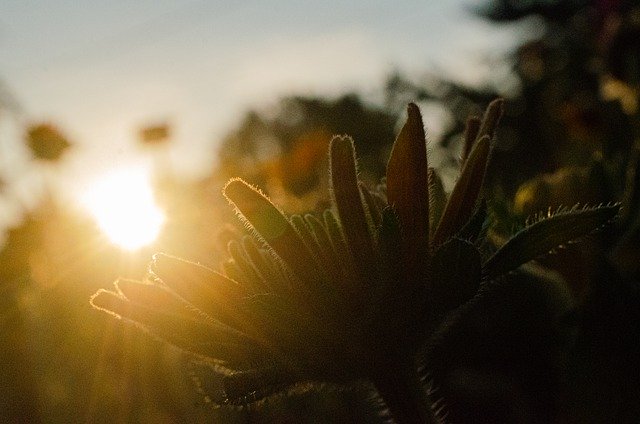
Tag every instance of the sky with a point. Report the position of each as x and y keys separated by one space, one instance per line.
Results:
x=102 y=69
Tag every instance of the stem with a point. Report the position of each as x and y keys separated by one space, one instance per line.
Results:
x=403 y=393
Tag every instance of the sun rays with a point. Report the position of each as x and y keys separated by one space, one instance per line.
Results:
x=122 y=203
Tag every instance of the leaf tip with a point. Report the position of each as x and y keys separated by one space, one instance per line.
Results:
x=232 y=187
x=105 y=301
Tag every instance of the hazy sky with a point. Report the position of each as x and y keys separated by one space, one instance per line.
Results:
x=101 y=69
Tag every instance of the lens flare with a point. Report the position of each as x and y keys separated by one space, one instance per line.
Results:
x=123 y=205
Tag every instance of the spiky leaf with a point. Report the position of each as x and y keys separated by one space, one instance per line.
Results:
x=545 y=235
x=275 y=229
x=260 y=264
x=255 y=383
x=154 y=296
x=463 y=198
x=250 y=277
x=189 y=334
x=408 y=189
x=210 y=292
x=350 y=206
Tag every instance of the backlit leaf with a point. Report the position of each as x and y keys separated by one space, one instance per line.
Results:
x=545 y=235
x=275 y=229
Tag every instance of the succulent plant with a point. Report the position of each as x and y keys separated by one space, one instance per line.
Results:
x=353 y=294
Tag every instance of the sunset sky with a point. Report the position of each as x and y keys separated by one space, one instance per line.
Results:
x=100 y=70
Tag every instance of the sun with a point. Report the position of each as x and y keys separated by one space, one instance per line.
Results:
x=123 y=205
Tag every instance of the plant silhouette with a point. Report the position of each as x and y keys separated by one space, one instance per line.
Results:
x=354 y=294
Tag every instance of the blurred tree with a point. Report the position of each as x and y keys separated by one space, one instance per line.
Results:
x=46 y=142
x=562 y=114
x=157 y=134
x=284 y=149
x=579 y=94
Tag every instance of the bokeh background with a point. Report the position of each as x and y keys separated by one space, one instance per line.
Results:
x=121 y=121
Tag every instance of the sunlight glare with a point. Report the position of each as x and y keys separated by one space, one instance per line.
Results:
x=123 y=205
